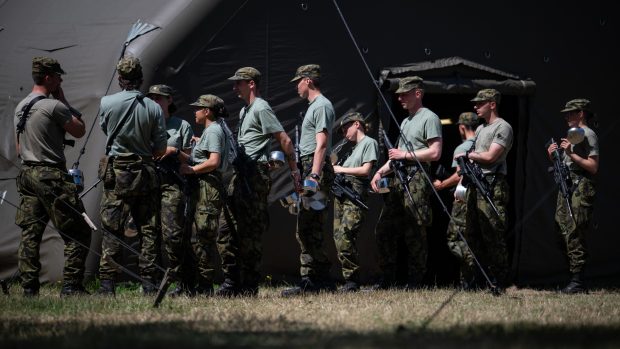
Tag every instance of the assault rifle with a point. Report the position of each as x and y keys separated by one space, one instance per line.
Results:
x=342 y=188
x=472 y=174
x=399 y=168
x=561 y=175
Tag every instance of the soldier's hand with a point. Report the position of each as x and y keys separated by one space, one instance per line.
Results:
x=337 y=169
x=552 y=147
x=396 y=154
x=59 y=94
x=374 y=180
x=437 y=184
x=186 y=169
x=566 y=145
x=458 y=155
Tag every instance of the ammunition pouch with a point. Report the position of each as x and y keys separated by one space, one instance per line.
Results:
x=133 y=176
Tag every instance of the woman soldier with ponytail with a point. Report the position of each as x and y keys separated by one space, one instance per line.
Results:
x=210 y=158
x=348 y=217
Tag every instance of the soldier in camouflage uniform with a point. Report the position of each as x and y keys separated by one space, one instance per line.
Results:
x=46 y=190
x=136 y=132
x=400 y=217
x=172 y=185
x=315 y=146
x=485 y=230
x=467 y=129
x=246 y=208
x=348 y=217
x=582 y=160
x=211 y=160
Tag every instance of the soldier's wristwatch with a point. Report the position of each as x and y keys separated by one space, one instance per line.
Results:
x=315 y=176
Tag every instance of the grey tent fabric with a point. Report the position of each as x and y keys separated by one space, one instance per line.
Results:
x=199 y=43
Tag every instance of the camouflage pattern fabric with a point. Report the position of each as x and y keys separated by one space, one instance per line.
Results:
x=455 y=244
x=247 y=220
x=348 y=220
x=311 y=228
x=209 y=204
x=142 y=204
x=574 y=232
x=172 y=220
x=399 y=220
x=486 y=232
x=49 y=193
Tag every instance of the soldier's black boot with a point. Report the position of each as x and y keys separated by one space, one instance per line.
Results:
x=106 y=288
x=305 y=286
x=576 y=285
x=31 y=292
x=349 y=287
x=205 y=289
x=228 y=288
x=73 y=290
x=184 y=289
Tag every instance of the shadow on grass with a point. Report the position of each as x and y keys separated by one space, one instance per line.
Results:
x=190 y=335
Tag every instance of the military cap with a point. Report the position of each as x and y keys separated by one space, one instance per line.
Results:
x=129 y=68
x=312 y=71
x=246 y=73
x=576 y=104
x=208 y=101
x=468 y=118
x=409 y=83
x=351 y=117
x=163 y=90
x=488 y=94
x=46 y=65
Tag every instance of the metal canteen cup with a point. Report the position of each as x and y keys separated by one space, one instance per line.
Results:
x=575 y=135
x=460 y=192
x=290 y=201
x=317 y=201
x=78 y=178
x=276 y=159
x=309 y=187
x=382 y=184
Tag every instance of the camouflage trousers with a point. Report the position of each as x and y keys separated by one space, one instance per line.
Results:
x=173 y=222
x=486 y=231
x=348 y=220
x=311 y=228
x=457 y=224
x=574 y=231
x=143 y=206
x=208 y=208
x=247 y=219
x=49 y=193
x=400 y=219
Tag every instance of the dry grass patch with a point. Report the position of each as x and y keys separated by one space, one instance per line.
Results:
x=441 y=317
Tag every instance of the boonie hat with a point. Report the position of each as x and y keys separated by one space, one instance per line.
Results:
x=46 y=65
x=576 y=104
x=129 y=68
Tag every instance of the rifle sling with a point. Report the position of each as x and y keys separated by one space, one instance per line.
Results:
x=21 y=125
x=120 y=124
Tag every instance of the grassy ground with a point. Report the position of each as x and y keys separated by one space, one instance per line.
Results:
x=430 y=318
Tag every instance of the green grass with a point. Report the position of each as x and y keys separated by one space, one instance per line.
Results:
x=431 y=318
